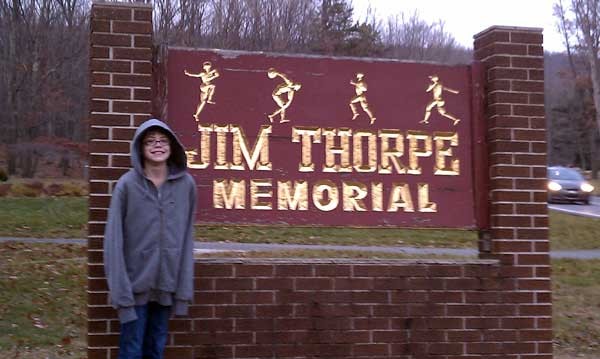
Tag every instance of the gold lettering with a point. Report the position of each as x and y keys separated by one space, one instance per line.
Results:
x=345 y=134
x=260 y=148
x=297 y=201
x=391 y=155
x=331 y=150
x=204 y=161
x=221 y=162
x=353 y=195
x=322 y=202
x=260 y=188
x=190 y=157
x=377 y=196
x=424 y=204
x=400 y=198
x=441 y=153
x=308 y=136
x=359 y=166
x=293 y=195
x=229 y=194
x=414 y=152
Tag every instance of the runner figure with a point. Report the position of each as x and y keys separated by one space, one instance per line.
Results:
x=360 y=87
x=437 y=88
x=207 y=88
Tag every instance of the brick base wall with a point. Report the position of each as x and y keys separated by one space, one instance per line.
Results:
x=343 y=309
x=405 y=309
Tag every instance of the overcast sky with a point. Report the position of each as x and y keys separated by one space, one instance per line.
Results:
x=465 y=18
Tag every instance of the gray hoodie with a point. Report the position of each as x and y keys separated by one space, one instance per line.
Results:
x=148 y=240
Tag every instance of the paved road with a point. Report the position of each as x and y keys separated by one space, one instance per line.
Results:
x=207 y=247
x=591 y=210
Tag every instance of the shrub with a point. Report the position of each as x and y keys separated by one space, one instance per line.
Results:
x=24 y=190
x=54 y=189
x=4 y=189
x=36 y=185
x=72 y=189
x=3 y=175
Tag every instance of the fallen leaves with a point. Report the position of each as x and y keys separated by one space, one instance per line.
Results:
x=37 y=321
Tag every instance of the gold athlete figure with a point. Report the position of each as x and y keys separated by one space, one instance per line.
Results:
x=360 y=88
x=283 y=94
x=436 y=88
x=207 y=88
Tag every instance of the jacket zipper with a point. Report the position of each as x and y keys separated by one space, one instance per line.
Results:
x=160 y=240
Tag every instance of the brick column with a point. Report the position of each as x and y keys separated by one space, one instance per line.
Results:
x=120 y=99
x=514 y=65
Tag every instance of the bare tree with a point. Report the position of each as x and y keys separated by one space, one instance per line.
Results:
x=581 y=22
x=412 y=38
x=587 y=25
x=40 y=82
x=43 y=89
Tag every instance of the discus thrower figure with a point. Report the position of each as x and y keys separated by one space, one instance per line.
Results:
x=207 y=88
x=283 y=94
x=436 y=88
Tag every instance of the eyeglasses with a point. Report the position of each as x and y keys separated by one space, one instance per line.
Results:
x=154 y=141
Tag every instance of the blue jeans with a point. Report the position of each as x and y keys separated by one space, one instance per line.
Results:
x=146 y=336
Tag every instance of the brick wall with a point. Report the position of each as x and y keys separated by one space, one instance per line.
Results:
x=516 y=138
x=496 y=307
x=120 y=99
x=343 y=309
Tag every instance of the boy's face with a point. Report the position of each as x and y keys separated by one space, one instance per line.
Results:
x=156 y=147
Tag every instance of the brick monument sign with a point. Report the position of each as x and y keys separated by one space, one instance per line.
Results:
x=282 y=139
x=275 y=139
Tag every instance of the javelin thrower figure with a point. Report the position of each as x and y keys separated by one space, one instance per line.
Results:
x=207 y=88
x=360 y=88
x=283 y=94
x=436 y=88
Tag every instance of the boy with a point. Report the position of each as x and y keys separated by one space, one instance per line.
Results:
x=148 y=241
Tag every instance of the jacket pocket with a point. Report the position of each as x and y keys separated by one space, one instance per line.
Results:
x=171 y=262
x=146 y=270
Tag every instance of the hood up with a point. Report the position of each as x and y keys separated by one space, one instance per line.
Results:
x=177 y=162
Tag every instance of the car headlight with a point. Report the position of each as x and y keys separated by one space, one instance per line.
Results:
x=586 y=187
x=553 y=186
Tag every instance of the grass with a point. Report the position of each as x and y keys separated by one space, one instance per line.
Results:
x=328 y=254
x=574 y=232
x=339 y=236
x=50 y=217
x=43 y=299
x=576 y=295
x=566 y=232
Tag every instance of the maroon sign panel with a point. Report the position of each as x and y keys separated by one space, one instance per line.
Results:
x=306 y=140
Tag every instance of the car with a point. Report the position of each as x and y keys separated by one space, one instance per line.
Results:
x=567 y=185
